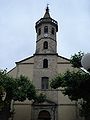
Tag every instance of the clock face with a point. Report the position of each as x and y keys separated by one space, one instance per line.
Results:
x=45 y=35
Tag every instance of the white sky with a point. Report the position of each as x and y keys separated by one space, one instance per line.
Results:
x=17 y=27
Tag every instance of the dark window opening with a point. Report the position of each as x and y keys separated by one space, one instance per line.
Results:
x=45 y=63
x=46 y=29
x=45 y=45
x=52 y=31
x=39 y=31
x=44 y=83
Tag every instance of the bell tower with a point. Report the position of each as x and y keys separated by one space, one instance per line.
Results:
x=45 y=67
x=46 y=29
x=45 y=57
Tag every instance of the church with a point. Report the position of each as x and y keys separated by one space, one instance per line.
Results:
x=41 y=68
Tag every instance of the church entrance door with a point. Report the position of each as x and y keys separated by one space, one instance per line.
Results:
x=44 y=115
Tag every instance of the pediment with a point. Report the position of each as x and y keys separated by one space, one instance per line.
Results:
x=26 y=60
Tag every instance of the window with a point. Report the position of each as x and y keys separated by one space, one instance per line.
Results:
x=46 y=29
x=39 y=31
x=45 y=45
x=45 y=63
x=44 y=83
x=52 y=31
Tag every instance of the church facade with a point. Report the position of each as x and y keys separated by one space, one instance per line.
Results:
x=41 y=68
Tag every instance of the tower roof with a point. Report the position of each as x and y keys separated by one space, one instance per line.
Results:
x=47 y=15
x=47 y=19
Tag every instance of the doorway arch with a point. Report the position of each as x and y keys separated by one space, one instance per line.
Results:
x=44 y=115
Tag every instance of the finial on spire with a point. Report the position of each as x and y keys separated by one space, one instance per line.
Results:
x=47 y=8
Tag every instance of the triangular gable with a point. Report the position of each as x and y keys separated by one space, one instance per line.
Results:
x=26 y=60
x=62 y=60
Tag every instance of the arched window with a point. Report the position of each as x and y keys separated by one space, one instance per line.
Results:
x=52 y=31
x=39 y=31
x=45 y=63
x=46 y=29
x=45 y=45
x=44 y=83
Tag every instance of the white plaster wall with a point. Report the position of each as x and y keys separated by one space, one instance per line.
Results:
x=22 y=111
x=26 y=70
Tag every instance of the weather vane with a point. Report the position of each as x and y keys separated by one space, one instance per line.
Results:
x=47 y=5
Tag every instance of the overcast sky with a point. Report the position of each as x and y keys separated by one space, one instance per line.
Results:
x=17 y=27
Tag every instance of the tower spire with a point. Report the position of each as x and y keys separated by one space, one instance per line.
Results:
x=47 y=15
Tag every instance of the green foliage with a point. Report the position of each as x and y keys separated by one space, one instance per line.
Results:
x=85 y=111
x=20 y=89
x=76 y=59
x=1 y=94
x=56 y=81
x=76 y=85
x=24 y=89
x=40 y=98
x=17 y=88
x=8 y=84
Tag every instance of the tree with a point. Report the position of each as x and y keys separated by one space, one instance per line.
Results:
x=76 y=85
x=76 y=59
x=20 y=89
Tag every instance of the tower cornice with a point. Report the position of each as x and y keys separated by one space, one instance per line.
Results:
x=46 y=20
